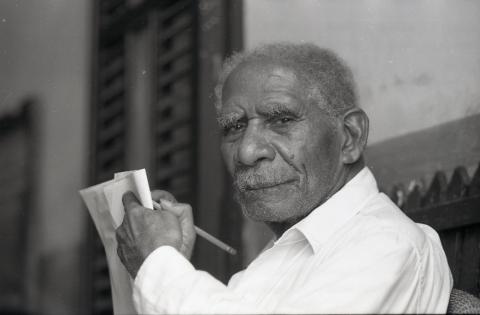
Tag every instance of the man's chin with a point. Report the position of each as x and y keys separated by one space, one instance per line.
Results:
x=278 y=204
x=261 y=214
x=266 y=211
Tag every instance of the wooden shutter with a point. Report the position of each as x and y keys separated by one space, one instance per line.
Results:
x=174 y=112
x=108 y=136
x=173 y=125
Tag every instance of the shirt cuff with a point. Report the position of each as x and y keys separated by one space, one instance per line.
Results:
x=162 y=267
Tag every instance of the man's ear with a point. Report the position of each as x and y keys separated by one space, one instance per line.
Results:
x=355 y=125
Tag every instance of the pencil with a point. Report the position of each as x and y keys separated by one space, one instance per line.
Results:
x=205 y=235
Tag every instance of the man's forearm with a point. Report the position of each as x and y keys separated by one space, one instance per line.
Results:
x=168 y=284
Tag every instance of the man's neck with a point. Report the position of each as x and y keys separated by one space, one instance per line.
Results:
x=344 y=176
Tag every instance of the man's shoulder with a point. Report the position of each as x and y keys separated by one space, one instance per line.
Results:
x=381 y=218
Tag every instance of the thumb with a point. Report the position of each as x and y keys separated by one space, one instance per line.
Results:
x=130 y=201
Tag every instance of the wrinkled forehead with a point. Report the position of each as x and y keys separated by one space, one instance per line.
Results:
x=256 y=77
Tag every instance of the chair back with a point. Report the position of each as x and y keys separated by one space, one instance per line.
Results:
x=462 y=302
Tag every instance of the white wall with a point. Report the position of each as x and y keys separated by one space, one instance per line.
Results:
x=417 y=62
x=44 y=52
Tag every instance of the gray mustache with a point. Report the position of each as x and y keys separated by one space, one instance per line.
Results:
x=254 y=179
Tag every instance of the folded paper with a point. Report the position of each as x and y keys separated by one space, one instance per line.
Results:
x=104 y=203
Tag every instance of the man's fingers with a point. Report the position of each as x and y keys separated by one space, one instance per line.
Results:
x=183 y=213
x=158 y=195
x=181 y=210
x=130 y=201
x=171 y=207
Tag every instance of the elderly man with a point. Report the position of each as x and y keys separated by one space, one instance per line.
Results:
x=293 y=138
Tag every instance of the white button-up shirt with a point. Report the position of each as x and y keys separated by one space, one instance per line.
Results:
x=356 y=253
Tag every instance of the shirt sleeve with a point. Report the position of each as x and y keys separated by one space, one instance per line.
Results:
x=168 y=284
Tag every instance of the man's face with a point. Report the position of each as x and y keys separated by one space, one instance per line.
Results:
x=282 y=150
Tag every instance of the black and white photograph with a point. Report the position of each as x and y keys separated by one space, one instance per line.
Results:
x=239 y=157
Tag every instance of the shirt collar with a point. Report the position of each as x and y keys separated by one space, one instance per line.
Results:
x=327 y=218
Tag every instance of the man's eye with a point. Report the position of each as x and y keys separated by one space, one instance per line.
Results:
x=233 y=128
x=282 y=120
x=285 y=120
x=237 y=126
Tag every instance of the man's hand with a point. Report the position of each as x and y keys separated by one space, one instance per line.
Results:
x=144 y=230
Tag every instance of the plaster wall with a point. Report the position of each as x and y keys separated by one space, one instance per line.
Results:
x=417 y=63
x=44 y=53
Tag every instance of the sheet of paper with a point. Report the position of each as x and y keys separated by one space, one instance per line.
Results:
x=135 y=182
x=104 y=203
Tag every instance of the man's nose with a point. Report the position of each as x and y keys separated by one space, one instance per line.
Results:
x=254 y=147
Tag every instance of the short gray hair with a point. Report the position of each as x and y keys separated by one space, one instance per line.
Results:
x=327 y=78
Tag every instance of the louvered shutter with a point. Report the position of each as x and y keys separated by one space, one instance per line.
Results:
x=174 y=112
x=108 y=137
x=174 y=103
x=171 y=112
